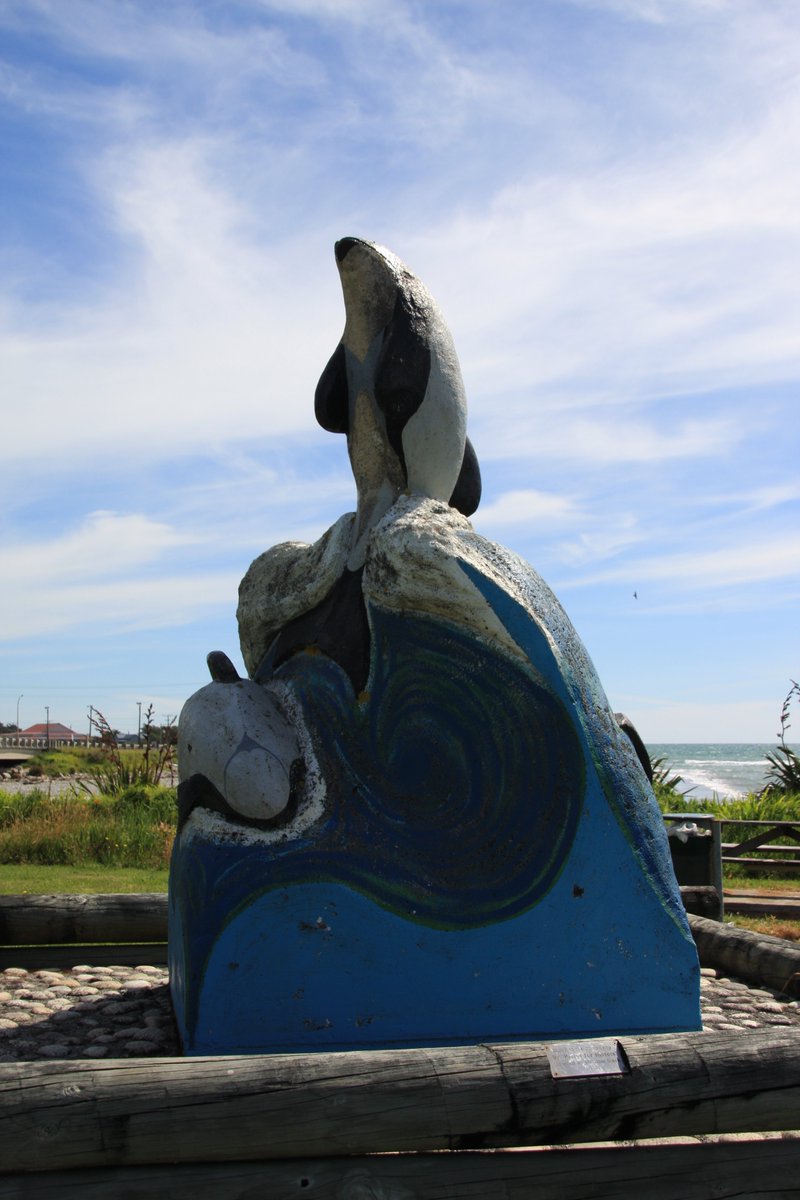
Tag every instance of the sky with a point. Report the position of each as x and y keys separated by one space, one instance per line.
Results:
x=602 y=195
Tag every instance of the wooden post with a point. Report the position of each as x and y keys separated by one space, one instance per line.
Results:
x=65 y=1115
x=705 y=901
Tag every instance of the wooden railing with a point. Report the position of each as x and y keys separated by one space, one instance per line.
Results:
x=755 y=851
x=26 y=741
x=748 y=851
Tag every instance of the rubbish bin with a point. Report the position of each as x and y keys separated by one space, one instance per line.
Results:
x=694 y=842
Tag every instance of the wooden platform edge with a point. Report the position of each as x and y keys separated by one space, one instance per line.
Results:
x=754 y=1167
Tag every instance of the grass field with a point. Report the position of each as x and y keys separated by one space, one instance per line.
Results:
x=90 y=878
x=774 y=926
x=74 y=842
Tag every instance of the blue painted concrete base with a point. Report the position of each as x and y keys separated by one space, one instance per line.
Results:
x=318 y=966
x=486 y=860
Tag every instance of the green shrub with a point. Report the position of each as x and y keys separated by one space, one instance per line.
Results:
x=784 y=765
x=20 y=806
x=59 y=761
x=158 y=804
x=761 y=807
x=665 y=783
x=133 y=829
x=117 y=770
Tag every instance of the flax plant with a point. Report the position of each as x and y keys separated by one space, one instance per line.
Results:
x=121 y=769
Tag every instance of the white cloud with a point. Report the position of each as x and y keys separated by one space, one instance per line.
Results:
x=745 y=564
x=670 y=268
x=356 y=11
x=614 y=534
x=658 y=266
x=209 y=339
x=660 y=274
x=106 y=543
x=764 y=498
x=122 y=606
x=150 y=37
x=528 y=506
x=771 y=496
x=112 y=572
x=606 y=209
x=613 y=439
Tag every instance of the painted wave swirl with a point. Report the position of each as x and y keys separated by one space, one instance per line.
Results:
x=454 y=786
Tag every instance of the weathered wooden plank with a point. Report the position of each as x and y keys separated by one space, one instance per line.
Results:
x=753 y=957
x=64 y=1115
x=113 y=917
x=772 y=864
x=780 y=825
x=764 y=906
x=751 y=1168
x=767 y=849
x=128 y=954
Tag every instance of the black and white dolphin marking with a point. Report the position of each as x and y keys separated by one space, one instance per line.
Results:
x=394 y=386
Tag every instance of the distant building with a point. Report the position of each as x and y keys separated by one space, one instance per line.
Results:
x=55 y=731
x=41 y=736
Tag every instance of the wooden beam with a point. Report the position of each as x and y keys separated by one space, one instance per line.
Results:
x=753 y=957
x=783 y=826
x=62 y=958
x=122 y=917
x=751 y=1168
x=766 y=864
x=761 y=906
x=66 y=1115
x=766 y=849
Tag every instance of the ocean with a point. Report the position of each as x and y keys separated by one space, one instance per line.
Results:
x=717 y=768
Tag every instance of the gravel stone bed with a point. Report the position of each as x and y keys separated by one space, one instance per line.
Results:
x=86 y=1012
x=125 y=1012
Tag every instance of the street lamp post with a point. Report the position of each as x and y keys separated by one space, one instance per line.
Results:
x=47 y=710
x=22 y=697
x=139 y=733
